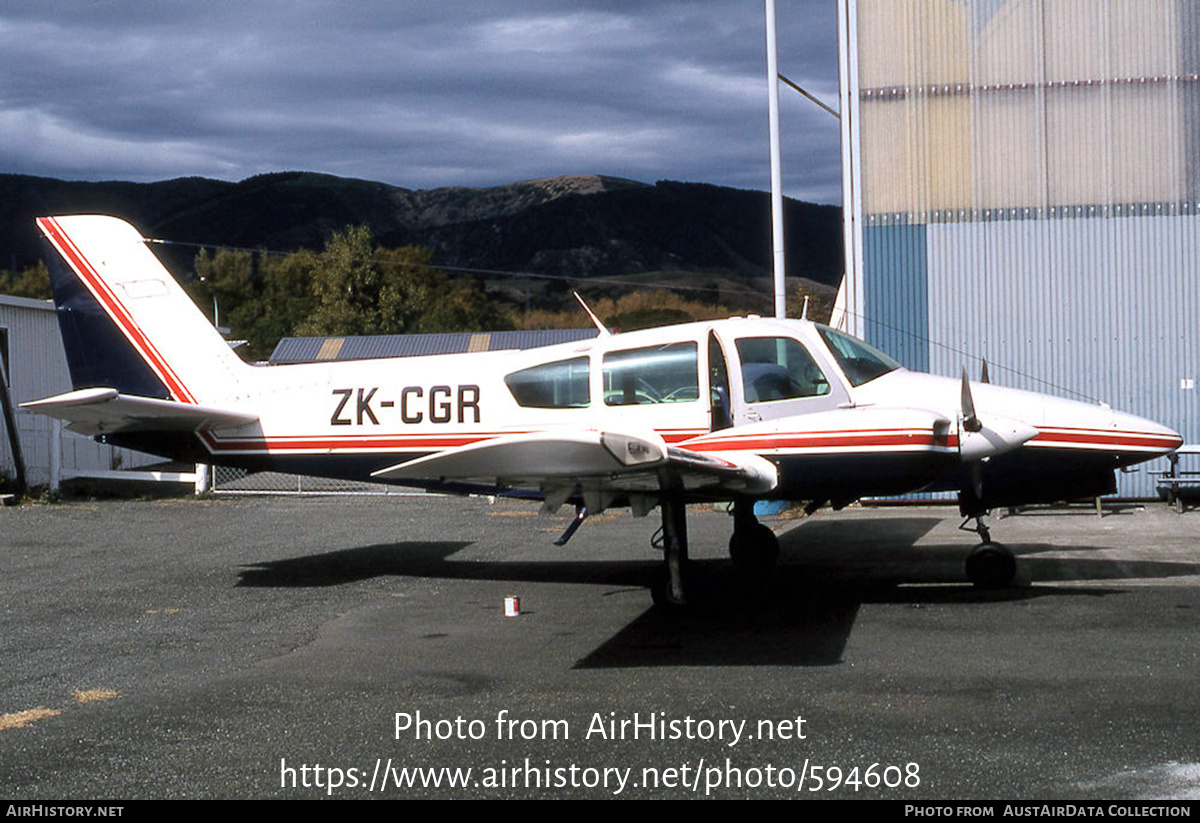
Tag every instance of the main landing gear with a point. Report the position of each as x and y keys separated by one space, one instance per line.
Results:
x=753 y=547
x=989 y=565
x=668 y=586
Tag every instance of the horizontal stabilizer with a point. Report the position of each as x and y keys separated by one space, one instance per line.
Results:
x=107 y=411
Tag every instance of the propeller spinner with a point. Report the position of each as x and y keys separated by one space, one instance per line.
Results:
x=977 y=441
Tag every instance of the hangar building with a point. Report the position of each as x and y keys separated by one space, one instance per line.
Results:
x=1021 y=183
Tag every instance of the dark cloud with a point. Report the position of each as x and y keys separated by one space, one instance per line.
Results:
x=415 y=94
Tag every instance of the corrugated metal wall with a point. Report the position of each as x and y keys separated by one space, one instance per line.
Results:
x=1029 y=177
x=977 y=105
x=38 y=368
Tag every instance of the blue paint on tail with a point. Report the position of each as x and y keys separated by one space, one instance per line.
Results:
x=98 y=354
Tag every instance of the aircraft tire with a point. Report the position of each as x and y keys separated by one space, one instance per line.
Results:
x=755 y=548
x=991 y=566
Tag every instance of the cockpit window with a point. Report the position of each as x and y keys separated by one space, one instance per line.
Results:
x=778 y=368
x=559 y=385
x=860 y=363
x=656 y=374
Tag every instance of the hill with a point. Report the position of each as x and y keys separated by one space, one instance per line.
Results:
x=581 y=226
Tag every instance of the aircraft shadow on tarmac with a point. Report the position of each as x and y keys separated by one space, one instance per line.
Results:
x=410 y=559
x=801 y=613
x=891 y=553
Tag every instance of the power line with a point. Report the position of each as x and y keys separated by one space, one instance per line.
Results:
x=485 y=272
x=968 y=355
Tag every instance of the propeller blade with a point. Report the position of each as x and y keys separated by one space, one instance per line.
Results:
x=983 y=378
x=970 y=420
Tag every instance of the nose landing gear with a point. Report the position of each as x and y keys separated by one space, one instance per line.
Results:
x=989 y=565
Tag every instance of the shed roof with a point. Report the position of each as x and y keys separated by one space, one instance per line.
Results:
x=316 y=349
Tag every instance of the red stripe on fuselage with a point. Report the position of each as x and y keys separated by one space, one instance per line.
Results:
x=874 y=438
x=1103 y=439
x=1095 y=439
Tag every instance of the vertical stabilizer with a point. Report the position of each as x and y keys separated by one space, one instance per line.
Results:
x=126 y=323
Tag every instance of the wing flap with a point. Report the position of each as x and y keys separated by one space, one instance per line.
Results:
x=107 y=411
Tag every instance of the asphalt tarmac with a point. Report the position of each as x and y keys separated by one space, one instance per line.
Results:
x=356 y=647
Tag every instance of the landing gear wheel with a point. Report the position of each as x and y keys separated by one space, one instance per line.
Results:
x=754 y=548
x=991 y=566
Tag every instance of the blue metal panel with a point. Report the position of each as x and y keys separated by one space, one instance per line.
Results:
x=1099 y=308
x=896 y=286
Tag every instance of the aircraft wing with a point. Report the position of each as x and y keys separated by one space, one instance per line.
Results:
x=594 y=463
x=107 y=411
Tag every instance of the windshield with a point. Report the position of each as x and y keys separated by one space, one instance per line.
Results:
x=859 y=362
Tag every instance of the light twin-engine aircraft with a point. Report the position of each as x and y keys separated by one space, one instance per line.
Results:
x=736 y=410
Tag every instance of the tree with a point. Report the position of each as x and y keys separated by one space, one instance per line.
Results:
x=347 y=287
x=32 y=281
x=459 y=306
x=360 y=289
x=286 y=299
x=351 y=287
x=224 y=281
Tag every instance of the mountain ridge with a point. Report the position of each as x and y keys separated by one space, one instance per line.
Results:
x=581 y=225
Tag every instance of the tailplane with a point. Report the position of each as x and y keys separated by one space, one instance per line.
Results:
x=126 y=324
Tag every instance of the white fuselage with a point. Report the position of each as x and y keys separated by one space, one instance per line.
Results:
x=773 y=388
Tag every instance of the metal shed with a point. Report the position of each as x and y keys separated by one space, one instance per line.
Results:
x=31 y=353
x=315 y=349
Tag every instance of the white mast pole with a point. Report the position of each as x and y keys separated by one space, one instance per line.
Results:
x=776 y=172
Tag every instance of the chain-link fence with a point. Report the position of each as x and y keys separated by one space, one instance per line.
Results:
x=239 y=481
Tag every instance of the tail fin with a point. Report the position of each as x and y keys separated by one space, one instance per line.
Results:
x=126 y=324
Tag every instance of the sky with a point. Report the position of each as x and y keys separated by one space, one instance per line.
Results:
x=416 y=94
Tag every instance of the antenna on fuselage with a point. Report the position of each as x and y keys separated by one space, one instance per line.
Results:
x=595 y=320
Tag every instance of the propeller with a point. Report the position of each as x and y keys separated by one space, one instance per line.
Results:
x=978 y=442
x=970 y=421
